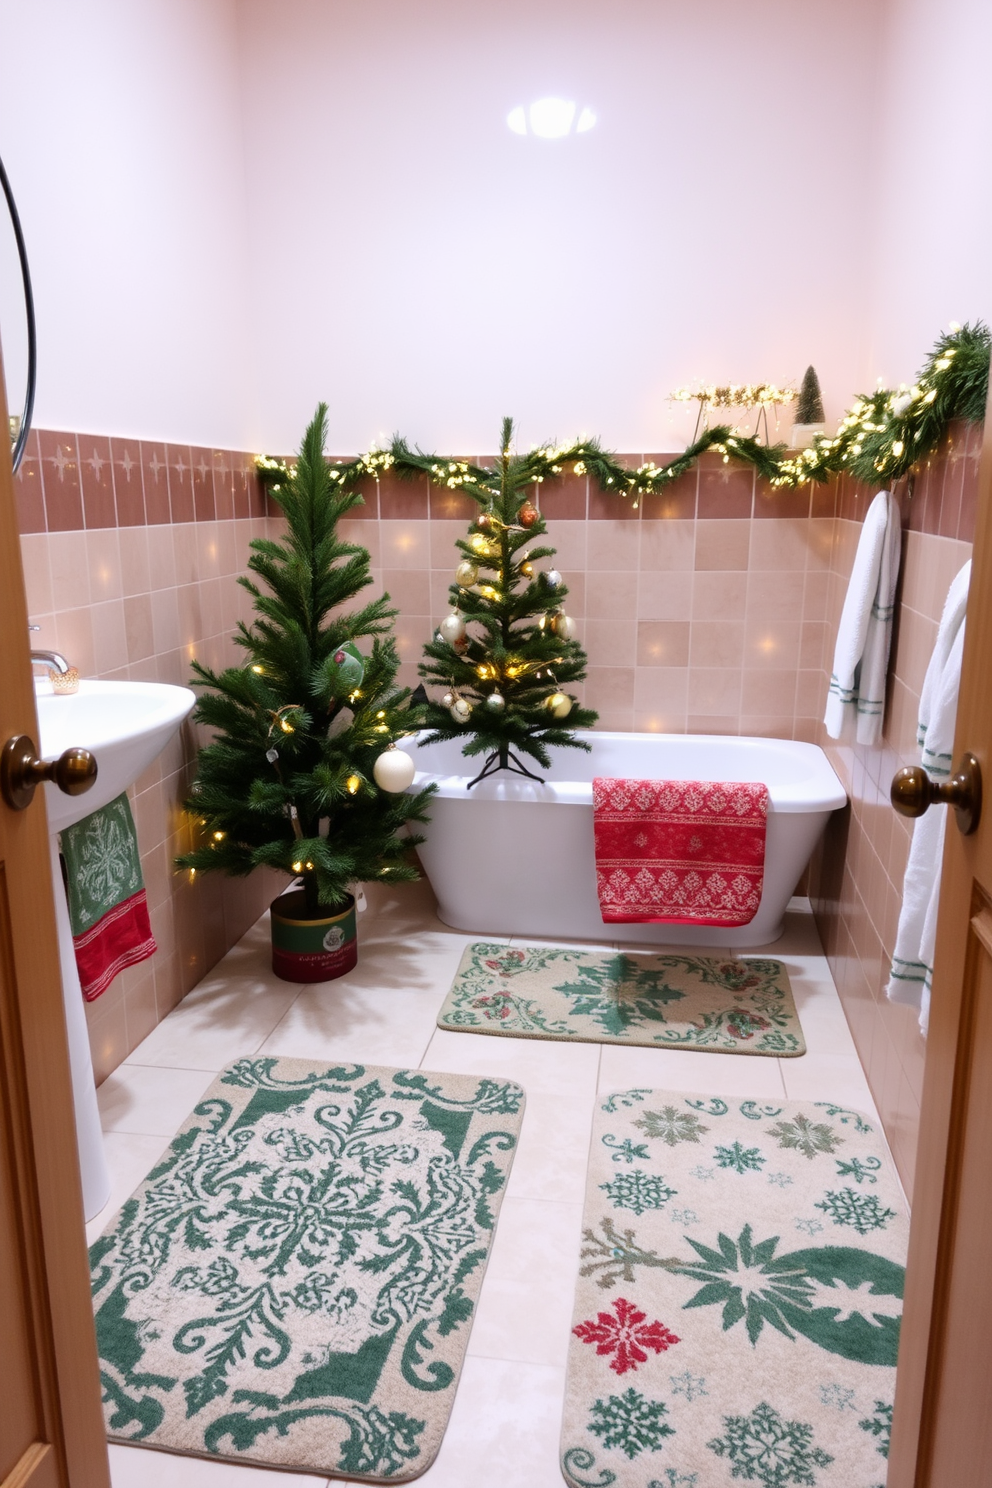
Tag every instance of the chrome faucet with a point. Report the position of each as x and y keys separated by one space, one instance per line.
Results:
x=52 y=659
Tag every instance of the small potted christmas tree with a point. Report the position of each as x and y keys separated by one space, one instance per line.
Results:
x=303 y=774
x=505 y=656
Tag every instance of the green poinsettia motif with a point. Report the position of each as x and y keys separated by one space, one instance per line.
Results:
x=846 y=1301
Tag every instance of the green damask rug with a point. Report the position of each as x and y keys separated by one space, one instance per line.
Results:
x=293 y=1284
x=721 y=1006
x=739 y=1297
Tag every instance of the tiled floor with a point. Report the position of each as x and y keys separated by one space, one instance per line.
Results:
x=504 y=1425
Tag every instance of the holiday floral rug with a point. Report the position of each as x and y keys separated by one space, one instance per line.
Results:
x=721 y=1006
x=293 y=1284
x=739 y=1297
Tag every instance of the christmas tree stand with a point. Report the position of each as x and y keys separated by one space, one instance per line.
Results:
x=500 y=760
x=312 y=948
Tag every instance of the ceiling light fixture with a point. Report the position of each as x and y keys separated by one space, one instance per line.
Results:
x=550 y=118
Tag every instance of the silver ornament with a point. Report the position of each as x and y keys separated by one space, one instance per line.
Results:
x=452 y=628
x=553 y=578
x=496 y=702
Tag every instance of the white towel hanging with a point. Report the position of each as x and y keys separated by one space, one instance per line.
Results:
x=912 y=959
x=856 y=696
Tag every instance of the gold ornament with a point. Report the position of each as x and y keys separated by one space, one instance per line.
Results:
x=525 y=565
x=558 y=704
x=466 y=574
x=563 y=626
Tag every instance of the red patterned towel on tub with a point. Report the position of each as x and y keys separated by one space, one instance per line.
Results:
x=689 y=852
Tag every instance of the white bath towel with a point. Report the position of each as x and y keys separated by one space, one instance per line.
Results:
x=856 y=697
x=912 y=960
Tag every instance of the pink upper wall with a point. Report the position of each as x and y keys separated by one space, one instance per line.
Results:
x=120 y=129
x=932 y=226
x=425 y=269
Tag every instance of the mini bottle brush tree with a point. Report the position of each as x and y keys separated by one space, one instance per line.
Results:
x=506 y=654
x=301 y=774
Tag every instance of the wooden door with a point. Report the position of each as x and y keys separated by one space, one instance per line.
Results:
x=51 y=1426
x=942 y=1424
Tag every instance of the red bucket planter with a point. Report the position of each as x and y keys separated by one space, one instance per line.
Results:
x=305 y=949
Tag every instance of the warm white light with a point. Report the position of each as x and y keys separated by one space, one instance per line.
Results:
x=550 y=118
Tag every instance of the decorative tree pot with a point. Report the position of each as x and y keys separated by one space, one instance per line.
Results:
x=305 y=949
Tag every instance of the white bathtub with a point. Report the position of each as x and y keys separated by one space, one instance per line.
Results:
x=511 y=857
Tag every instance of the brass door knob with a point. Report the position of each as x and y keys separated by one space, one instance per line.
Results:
x=21 y=772
x=913 y=792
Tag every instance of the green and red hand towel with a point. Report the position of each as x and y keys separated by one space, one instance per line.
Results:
x=108 y=907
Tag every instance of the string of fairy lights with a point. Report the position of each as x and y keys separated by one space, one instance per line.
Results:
x=880 y=439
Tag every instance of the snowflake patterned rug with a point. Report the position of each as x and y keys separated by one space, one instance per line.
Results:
x=739 y=1297
x=293 y=1284
x=721 y=1006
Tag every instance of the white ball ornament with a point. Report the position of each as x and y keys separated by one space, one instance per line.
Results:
x=564 y=627
x=558 y=704
x=461 y=710
x=394 y=771
x=452 y=628
x=447 y=700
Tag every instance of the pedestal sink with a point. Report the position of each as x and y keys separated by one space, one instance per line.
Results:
x=124 y=725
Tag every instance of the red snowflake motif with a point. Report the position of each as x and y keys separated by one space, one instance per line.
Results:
x=627 y=1336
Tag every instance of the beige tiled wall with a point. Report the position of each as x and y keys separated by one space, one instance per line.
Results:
x=140 y=603
x=705 y=625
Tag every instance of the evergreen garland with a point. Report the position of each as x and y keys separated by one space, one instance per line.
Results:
x=881 y=438
x=289 y=779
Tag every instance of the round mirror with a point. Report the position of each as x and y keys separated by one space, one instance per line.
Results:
x=16 y=322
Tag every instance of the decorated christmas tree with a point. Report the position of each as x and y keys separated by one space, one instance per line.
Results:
x=503 y=659
x=302 y=774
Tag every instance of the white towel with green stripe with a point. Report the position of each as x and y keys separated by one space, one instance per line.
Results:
x=912 y=959
x=856 y=696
